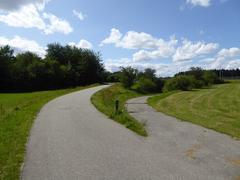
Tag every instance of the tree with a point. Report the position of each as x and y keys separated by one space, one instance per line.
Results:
x=128 y=76
x=150 y=73
x=6 y=59
x=26 y=71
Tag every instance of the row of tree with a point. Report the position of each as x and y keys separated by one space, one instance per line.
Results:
x=63 y=66
x=195 y=77
x=147 y=82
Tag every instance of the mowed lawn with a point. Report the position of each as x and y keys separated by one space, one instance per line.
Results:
x=217 y=108
x=17 y=113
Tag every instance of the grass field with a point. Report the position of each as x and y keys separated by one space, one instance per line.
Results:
x=104 y=101
x=217 y=108
x=17 y=112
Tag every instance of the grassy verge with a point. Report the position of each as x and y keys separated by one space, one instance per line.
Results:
x=17 y=113
x=215 y=108
x=104 y=101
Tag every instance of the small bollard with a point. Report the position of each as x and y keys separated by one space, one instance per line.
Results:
x=116 y=106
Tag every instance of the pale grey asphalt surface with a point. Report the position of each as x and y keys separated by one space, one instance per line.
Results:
x=71 y=140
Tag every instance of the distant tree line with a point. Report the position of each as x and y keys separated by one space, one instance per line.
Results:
x=221 y=73
x=194 y=78
x=147 y=82
x=62 y=67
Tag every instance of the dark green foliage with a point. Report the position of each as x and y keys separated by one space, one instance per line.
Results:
x=143 y=81
x=194 y=78
x=181 y=82
x=63 y=66
x=145 y=85
x=113 y=77
x=6 y=58
x=210 y=77
x=128 y=76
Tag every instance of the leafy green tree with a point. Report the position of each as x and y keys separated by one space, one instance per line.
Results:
x=26 y=70
x=6 y=59
x=128 y=76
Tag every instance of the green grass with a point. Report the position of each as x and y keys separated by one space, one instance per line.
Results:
x=17 y=113
x=104 y=101
x=216 y=108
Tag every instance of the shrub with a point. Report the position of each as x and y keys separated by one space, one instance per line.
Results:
x=145 y=85
x=181 y=82
x=210 y=78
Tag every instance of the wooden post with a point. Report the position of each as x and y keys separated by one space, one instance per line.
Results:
x=116 y=106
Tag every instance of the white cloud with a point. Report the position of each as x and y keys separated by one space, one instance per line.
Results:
x=56 y=25
x=231 y=52
x=143 y=41
x=234 y=64
x=80 y=15
x=82 y=44
x=203 y=3
x=136 y=40
x=11 y=5
x=190 y=50
x=21 y=44
x=29 y=16
x=113 y=38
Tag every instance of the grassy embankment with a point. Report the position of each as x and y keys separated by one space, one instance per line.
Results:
x=216 y=108
x=104 y=101
x=17 y=113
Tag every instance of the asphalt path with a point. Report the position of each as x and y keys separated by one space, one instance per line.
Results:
x=71 y=140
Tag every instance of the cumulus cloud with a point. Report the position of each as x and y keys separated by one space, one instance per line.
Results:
x=180 y=56
x=11 y=5
x=79 y=15
x=82 y=44
x=114 y=37
x=233 y=64
x=165 y=49
x=56 y=25
x=29 y=16
x=203 y=3
x=231 y=52
x=21 y=44
x=136 y=40
x=190 y=50
x=226 y=59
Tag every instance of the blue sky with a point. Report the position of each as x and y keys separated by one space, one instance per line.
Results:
x=170 y=36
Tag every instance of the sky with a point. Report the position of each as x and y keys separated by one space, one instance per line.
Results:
x=167 y=35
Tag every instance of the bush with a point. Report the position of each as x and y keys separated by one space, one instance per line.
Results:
x=210 y=78
x=196 y=83
x=181 y=82
x=145 y=85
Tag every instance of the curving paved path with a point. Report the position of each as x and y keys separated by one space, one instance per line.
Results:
x=71 y=140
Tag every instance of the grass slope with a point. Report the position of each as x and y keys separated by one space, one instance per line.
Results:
x=217 y=108
x=17 y=113
x=104 y=101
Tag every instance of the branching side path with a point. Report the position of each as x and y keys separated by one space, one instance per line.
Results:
x=70 y=139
